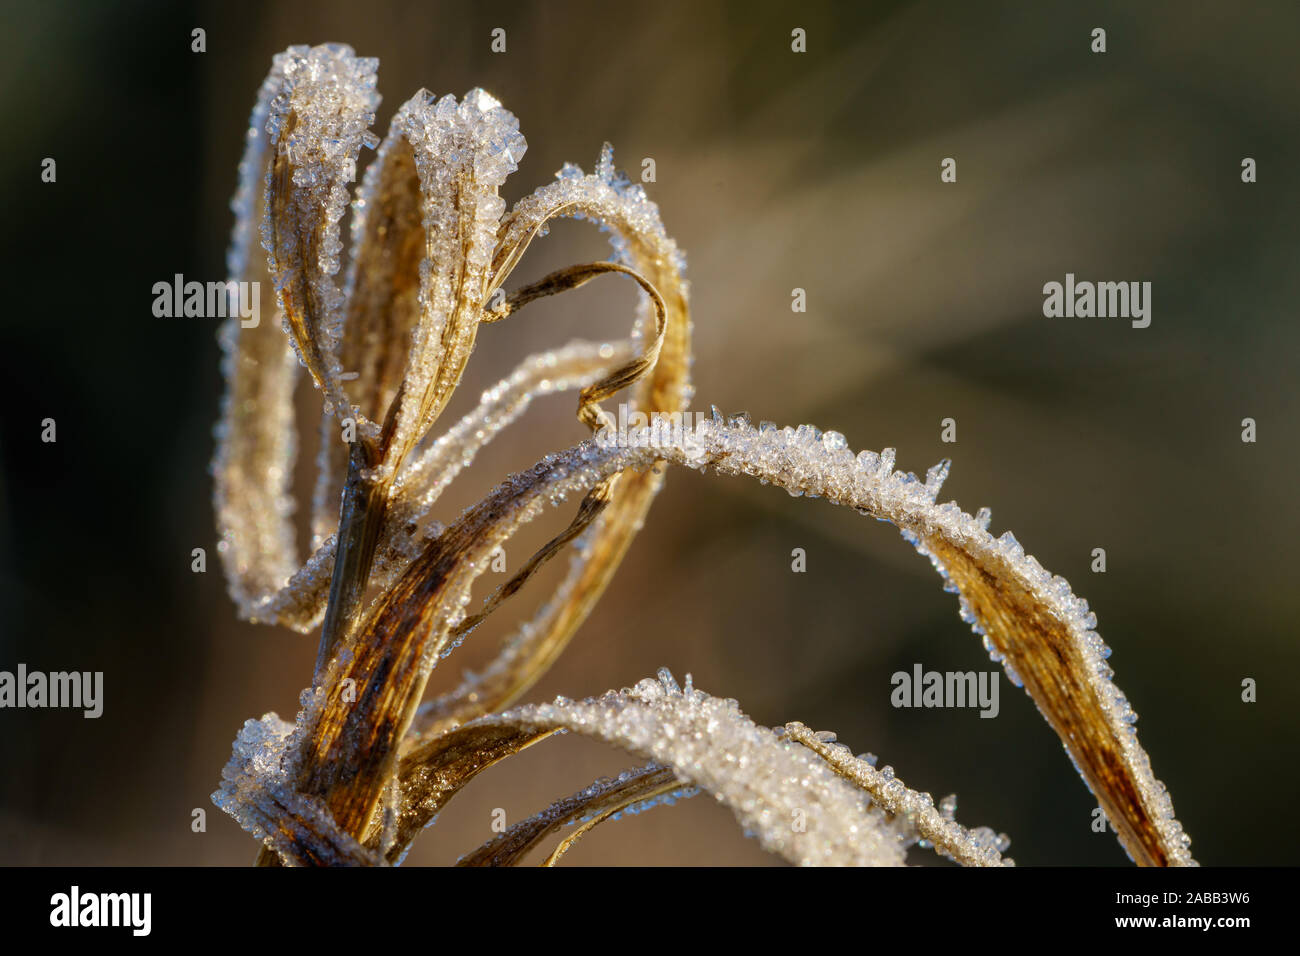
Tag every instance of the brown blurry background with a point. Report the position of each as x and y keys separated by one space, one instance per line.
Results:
x=775 y=171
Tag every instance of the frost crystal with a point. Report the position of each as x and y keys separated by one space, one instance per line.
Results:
x=935 y=828
x=784 y=794
x=257 y=790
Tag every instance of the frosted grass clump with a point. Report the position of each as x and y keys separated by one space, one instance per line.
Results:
x=368 y=763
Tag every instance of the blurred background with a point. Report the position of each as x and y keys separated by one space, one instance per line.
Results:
x=775 y=170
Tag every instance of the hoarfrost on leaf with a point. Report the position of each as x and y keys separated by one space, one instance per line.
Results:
x=355 y=777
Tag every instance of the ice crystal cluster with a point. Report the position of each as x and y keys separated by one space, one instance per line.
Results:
x=369 y=763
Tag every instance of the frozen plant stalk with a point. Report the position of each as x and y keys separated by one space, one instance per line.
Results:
x=365 y=766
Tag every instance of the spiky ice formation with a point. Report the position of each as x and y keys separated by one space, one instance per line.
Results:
x=1093 y=718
